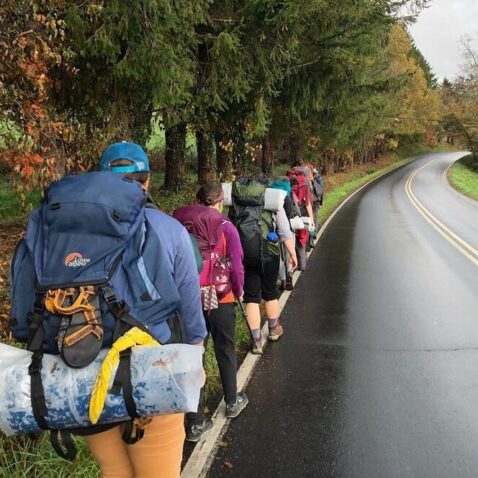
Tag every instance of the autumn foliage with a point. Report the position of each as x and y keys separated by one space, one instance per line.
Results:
x=246 y=79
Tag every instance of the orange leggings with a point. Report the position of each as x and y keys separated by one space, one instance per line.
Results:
x=157 y=455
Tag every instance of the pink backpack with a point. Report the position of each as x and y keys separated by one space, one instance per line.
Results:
x=207 y=226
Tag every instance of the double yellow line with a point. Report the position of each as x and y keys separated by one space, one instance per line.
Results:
x=457 y=242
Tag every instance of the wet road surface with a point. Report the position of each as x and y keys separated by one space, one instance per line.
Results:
x=377 y=373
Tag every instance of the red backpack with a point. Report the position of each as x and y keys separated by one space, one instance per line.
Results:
x=207 y=226
x=298 y=182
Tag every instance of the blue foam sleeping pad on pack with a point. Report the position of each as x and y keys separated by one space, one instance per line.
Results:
x=165 y=379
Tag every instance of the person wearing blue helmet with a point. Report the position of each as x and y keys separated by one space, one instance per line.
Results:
x=128 y=159
x=159 y=453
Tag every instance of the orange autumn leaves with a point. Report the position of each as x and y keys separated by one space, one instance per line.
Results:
x=31 y=132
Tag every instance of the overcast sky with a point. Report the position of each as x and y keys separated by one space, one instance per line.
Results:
x=438 y=30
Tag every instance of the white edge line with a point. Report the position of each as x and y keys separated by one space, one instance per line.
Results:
x=201 y=458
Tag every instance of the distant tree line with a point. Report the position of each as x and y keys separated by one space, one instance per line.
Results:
x=460 y=102
x=339 y=81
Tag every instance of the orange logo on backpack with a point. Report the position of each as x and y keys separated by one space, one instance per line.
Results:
x=75 y=259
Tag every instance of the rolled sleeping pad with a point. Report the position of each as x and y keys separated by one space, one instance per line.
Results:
x=308 y=223
x=227 y=190
x=165 y=379
x=273 y=198
x=297 y=224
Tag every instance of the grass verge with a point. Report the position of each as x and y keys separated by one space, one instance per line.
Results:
x=464 y=178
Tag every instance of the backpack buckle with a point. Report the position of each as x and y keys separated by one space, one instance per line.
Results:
x=108 y=294
x=35 y=364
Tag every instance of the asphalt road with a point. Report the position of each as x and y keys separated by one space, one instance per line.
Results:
x=377 y=373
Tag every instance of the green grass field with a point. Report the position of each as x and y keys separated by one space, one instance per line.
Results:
x=464 y=178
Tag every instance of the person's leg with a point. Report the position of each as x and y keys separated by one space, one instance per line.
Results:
x=272 y=309
x=253 y=316
x=222 y=322
x=301 y=255
x=271 y=296
x=196 y=422
x=160 y=451
x=110 y=452
x=315 y=211
x=252 y=299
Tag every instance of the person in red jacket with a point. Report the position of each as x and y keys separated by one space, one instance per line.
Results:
x=222 y=281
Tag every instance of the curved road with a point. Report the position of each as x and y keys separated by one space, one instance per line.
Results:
x=377 y=373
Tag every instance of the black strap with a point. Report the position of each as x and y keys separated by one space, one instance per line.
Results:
x=122 y=382
x=125 y=357
x=120 y=310
x=35 y=327
x=60 y=439
x=35 y=344
x=37 y=393
x=176 y=326
x=63 y=444
x=120 y=377
x=132 y=433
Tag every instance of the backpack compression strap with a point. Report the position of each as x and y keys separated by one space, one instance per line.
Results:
x=60 y=440
x=122 y=380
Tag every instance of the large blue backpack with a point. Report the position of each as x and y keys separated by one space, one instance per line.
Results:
x=88 y=268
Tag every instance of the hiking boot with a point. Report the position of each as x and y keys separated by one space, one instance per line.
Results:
x=234 y=409
x=257 y=347
x=276 y=332
x=195 y=432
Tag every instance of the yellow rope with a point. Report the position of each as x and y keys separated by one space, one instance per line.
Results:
x=130 y=339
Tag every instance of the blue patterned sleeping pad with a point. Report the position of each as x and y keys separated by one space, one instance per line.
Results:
x=165 y=380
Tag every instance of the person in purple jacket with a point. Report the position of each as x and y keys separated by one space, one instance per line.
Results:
x=206 y=222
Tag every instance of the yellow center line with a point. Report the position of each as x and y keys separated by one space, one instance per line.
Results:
x=461 y=245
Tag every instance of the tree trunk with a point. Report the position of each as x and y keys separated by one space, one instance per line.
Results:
x=239 y=156
x=295 y=148
x=205 y=151
x=175 y=157
x=336 y=163
x=267 y=155
x=223 y=157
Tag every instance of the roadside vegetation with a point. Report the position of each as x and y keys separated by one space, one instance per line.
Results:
x=463 y=176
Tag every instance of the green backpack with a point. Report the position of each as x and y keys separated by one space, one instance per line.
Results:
x=256 y=226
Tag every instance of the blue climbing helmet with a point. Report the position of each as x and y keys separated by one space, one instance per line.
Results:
x=124 y=150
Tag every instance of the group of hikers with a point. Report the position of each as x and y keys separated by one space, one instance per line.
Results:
x=239 y=243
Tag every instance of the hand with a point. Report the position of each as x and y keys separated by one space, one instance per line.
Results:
x=240 y=298
x=293 y=262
